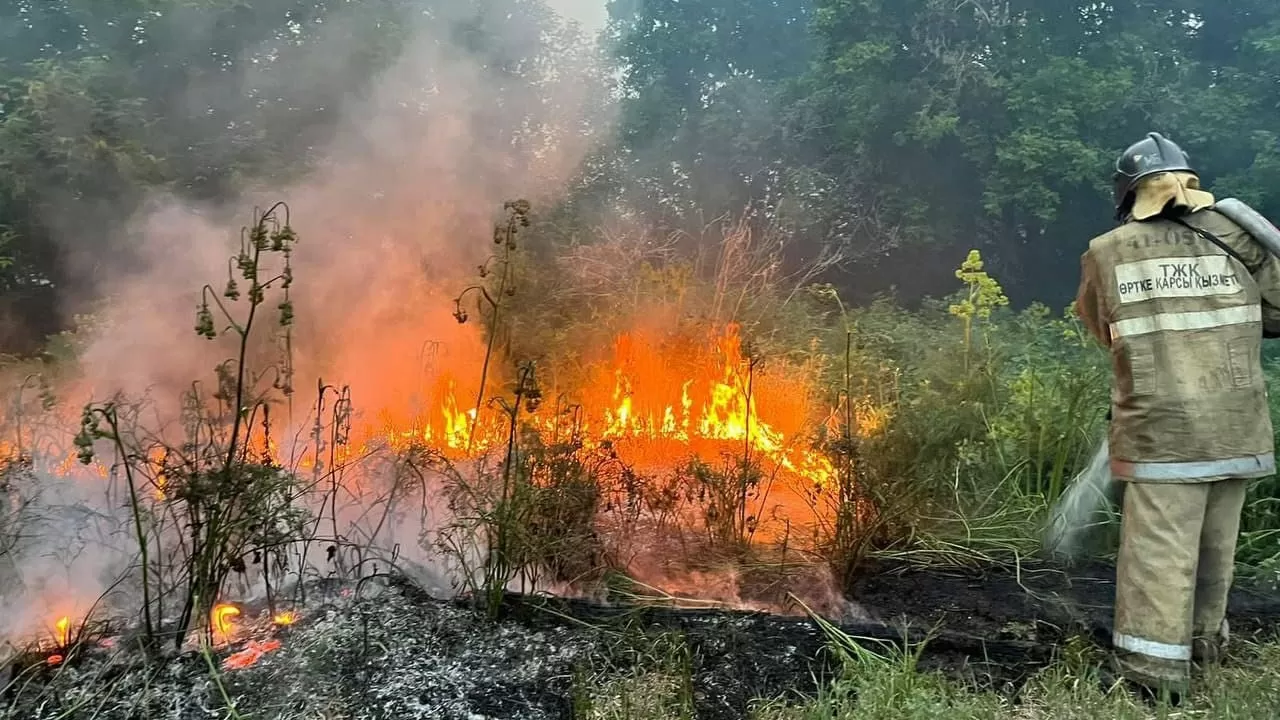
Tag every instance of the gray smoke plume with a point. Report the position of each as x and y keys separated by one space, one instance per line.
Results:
x=393 y=219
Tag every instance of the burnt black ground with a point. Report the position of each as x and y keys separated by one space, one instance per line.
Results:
x=393 y=652
x=992 y=626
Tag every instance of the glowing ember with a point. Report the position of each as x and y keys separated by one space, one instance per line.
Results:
x=55 y=659
x=250 y=654
x=221 y=618
x=288 y=617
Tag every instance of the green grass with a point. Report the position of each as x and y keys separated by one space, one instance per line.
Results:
x=890 y=686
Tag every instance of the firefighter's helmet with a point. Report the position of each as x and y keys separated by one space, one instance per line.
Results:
x=1153 y=154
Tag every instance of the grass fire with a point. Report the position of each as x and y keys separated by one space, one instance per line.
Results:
x=551 y=359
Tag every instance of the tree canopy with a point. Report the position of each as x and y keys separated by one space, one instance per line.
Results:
x=894 y=135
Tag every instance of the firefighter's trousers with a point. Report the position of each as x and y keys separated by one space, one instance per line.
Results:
x=1173 y=572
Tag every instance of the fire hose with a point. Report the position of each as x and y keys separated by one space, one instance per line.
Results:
x=1092 y=498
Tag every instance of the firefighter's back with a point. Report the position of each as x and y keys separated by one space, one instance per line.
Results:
x=1185 y=323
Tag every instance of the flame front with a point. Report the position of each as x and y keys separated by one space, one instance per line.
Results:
x=657 y=398
x=654 y=398
x=683 y=390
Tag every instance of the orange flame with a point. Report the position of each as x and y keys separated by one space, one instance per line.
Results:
x=288 y=617
x=221 y=619
x=658 y=397
x=657 y=394
x=655 y=398
x=63 y=631
x=681 y=389
x=664 y=396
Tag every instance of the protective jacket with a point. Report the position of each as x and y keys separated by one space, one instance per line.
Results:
x=1181 y=295
x=1184 y=321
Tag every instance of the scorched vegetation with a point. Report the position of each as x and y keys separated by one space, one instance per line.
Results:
x=717 y=365
x=792 y=455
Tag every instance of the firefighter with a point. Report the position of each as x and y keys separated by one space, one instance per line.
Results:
x=1178 y=293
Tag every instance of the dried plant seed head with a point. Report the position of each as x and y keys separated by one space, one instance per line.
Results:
x=204 y=322
x=84 y=438
x=248 y=268
x=258 y=236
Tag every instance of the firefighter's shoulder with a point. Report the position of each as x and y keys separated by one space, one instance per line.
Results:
x=1114 y=237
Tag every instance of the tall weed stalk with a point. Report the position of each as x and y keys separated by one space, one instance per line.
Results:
x=201 y=508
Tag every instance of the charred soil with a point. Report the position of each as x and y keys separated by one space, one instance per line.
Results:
x=388 y=650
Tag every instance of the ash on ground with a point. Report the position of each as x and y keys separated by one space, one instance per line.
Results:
x=385 y=650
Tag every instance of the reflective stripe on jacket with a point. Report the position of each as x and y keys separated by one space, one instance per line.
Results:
x=1183 y=321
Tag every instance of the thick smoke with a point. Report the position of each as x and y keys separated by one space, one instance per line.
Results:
x=591 y=16
x=396 y=214
x=392 y=220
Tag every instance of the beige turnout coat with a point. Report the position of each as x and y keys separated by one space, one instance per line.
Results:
x=1183 y=321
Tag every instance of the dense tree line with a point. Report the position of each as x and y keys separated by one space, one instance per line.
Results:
x=901 y=131
x=892 y=135
x=102 y=102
